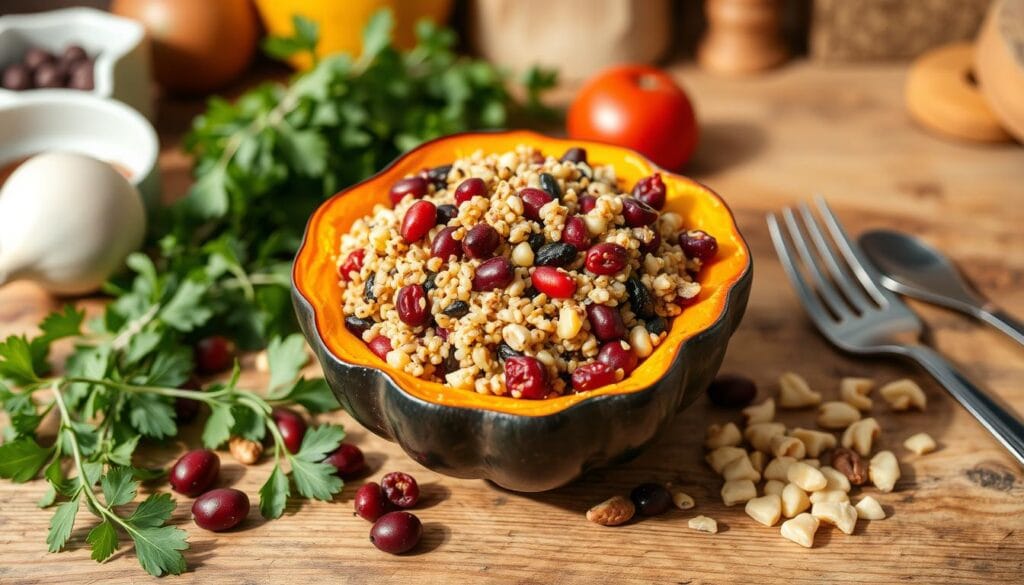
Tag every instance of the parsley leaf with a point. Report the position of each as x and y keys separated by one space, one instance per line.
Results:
x=22 y=459
x=153 y=511
x=186 y=311
x=151 y=416
x=314 y=395
x=320 y=441
x=61 y=523
x=159 y=549
x=315 y=480
x=119 y=486
x=16 y=362
x=274 y=494
x=103 y=539
x=218 y=426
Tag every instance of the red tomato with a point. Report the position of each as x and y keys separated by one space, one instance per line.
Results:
x=638 y=107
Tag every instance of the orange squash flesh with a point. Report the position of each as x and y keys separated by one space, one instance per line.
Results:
x=315 y=276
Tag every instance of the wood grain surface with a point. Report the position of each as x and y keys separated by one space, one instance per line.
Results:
x=957 y=515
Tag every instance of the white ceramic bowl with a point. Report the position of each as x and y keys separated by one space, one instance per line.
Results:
x=119 y=45
x=79 y=122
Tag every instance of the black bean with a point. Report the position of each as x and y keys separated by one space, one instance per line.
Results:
x=456 y=309
x=640 y=299
x=439 y=175
x=530 y=292
x=550 y=184
x=368 y=288
x=536 y=241
x=555 y=254
x=357 y=325
x=505 y=351
x=575 y=154
x=429 y=284
x=451 y=363
x=657 y=325
x=446 y=213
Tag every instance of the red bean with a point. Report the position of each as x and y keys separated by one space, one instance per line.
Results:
x=353 y=263
x=652 y=246
x=698 y=244
x=606 y=322
x=587 y=202
x=291 y=426
x=553 y=282
x=400 y=489
x=526 y=377
x=637 y=213
x=533 y=200
x=396 y=532
x=415 y=186
x=418 y=220
x=220 y=509
x=575 y=154
x=617 y=355
x=470 y=188
x=651 y=190
x=348 y=460
x=481 y=241
x=412 y=305
x=369 y=502
x=195 y=472
x=495 y=273
x=575 y=233
x=214 y=354
x=606 y=258
x=380 y=346
x=591 y=376
x=445 y=245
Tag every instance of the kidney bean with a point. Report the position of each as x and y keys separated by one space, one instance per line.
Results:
x=292 y=427
x=220 y=509
x=396 y=532
x=575 y=154
x=637 y=213
x=445 y=245
x=380 y=346
x=353 y=263
x=412 y=305
x=732 y=391
x=591 y=376
x=533 y=200
x=526 y=377
x=481 y=241
x=553 y=282
x=575 y=233
x=214 y=354
x=618 y=357
x=400 y=489
x=415 y=186
x=606 y=258
x=194 y=472
x=470 y=188
x=698 y=244
x=369 y=502
x=495 y=273
x=418 y=220
x=651 y=190
x=348 y=460
x=606 y=322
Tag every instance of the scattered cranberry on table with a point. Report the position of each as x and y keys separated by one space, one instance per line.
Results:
x=292 y=427
x=419 y=218
x=732 y=391
x=348 y=460
x=396 y=532
x=591 y=376
x=469 y=189
x=412 y=305
x=651 y=499
x=526 y=377
x=220 y=509
x=400 y=489
x=369 y=502
x=194 y=472
x=415 y=186
x=214 y=354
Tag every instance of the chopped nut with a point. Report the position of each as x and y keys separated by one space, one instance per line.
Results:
x=806 y=477
x=759 y=435
x=837 y=415
x=829 y=496
x=777 y=468
x=783 y=446
x=904 y=394
x=868 y=508
x=774 y=486
x=766 y=509
x=612 y=512
x=800 y=529
x=740 y=468
x=794 y=500
x=920 y=443
x=884 y=470
x=681 y=499
x=840 y=514
x=815 y=442
x=850 y=464
x=758 y=460
x=727 y=435
x=703 y=524
x=854 y=391
x=723 y=456
x=860 y=435
x=758 y=413
x=795 y=393
x=836 y=480
x=245 y=451
x=738 y=491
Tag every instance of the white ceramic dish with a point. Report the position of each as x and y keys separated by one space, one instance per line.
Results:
x=119 y=45
x=79 y=122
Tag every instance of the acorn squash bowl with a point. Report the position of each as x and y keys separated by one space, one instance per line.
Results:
x=522 y=445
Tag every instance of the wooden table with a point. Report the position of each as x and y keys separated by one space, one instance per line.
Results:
x=957 y=514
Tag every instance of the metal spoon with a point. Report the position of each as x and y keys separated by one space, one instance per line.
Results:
x=913 y=268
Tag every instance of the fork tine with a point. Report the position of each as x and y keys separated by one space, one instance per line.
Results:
x=824 y=321
x=824 y=288
x=850 y=289
x=862 y=269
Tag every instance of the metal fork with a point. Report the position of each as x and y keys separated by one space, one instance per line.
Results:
x=840 y=290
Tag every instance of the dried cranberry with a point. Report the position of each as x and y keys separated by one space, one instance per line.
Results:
x=575 y=233
x=575 y=154
x=353 y=263
x=481 y=241
x=418 y=220
x=618 y=356
x=220 y=509
x=194 y=472
x=526 y=377
x=550 y=184
x=446 y=213
x=380 y=346
x=493 y=274
x=606 y=322
x=533 y=200
x=396 y=532
x=357 y=326
x=637 y=213
x=732 y=391
x=553 y=282
x=415 y=186
x=587 y=202
x=469 y=189
x=606 y=258
x=214 y=354
x=698 y=244
x=445 y=245
x=412 y=305
x=291 y=426
x=348 y=460
x=652 y=246
x=591 y=376
x=443 y=333
x=400 y=489
x=651 y=190
x=651 y=499
x=369 y=501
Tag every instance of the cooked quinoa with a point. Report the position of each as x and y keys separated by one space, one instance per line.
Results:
x=456 y=329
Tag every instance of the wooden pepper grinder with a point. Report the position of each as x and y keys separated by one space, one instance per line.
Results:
x=743 y=36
